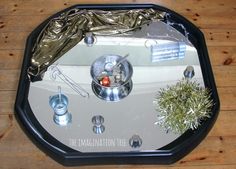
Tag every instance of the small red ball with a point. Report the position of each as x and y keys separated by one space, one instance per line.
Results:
x=105 y=81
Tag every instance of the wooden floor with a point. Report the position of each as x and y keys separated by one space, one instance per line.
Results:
x=216 y=19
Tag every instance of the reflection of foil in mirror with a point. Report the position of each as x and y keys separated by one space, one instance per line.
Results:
x=177 y=24
x=164 y=31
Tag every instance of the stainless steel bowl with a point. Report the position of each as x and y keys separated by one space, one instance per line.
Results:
x=111 y=67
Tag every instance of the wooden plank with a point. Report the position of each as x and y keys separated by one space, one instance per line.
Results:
x=7 y=101
x=205 y=19
x=9 y=79
x=23 y=24
x=19 y=7
x=13 y=40
x=180 y=167
x=208 y=22
x=213 y=150
x=11 y=59
x=215 y=18
x=8 y=23
x=225 y=120
x=222 y=55
x=218 y=37
x=227 y=97
x=225 y=75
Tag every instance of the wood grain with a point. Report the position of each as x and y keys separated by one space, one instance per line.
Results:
x=216 y=19
x=9 y=24
x=222 y=55
x=212 y=8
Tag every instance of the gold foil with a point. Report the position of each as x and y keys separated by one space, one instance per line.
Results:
x=64 y=32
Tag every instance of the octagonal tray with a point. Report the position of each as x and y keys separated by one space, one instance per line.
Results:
x=115 y=122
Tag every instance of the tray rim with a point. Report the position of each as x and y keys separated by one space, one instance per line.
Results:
x=69 y=157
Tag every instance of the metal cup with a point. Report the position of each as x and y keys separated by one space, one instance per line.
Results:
x=59 y=105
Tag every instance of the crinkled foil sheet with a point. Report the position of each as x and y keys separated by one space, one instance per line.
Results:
x=64 y=32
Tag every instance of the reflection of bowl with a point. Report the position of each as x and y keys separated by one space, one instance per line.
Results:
x=109 y=66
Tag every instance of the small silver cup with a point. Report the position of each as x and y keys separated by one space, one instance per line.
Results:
x=59 y=104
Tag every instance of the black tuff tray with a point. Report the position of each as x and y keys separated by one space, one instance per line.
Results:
x=67 y=156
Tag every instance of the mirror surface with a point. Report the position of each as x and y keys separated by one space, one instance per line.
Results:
x=98 y=97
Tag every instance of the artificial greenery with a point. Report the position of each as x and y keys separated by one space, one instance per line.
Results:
x=182 y=106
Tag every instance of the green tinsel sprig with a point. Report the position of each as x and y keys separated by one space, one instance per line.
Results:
x=183 y=106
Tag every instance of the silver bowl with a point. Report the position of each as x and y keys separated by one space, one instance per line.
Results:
x=119 y=74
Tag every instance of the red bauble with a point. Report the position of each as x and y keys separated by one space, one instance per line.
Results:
x=105 y=81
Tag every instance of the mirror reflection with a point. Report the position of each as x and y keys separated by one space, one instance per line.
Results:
x=100 y=95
